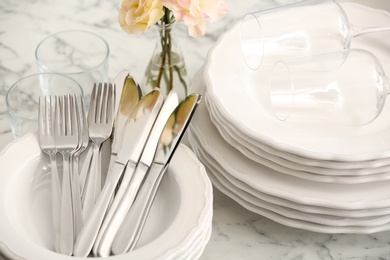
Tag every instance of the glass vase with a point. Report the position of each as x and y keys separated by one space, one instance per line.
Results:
x=166 y=69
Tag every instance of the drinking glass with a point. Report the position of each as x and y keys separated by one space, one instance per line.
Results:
x=78 y=54
x=295 y=30
x=22 y=98
x=346 y=87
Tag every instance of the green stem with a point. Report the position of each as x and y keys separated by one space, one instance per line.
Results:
x=164 y=51
x=166 y=43
x=170 y=84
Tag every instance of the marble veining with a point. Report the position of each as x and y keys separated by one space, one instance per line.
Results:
x=237 y=232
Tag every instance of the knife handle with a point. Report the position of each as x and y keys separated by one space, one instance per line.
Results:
x=92 y=224
x=120 y=212
x=127 y=175
x=131 y=229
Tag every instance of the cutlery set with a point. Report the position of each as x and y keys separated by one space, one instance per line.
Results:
x=98 y=213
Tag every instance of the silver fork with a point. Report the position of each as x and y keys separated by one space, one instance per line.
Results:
x=46 y=117
x=66 y=136
x=75 y=159
x=100 y=122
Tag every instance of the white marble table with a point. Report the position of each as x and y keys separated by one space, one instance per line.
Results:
x=237 y=233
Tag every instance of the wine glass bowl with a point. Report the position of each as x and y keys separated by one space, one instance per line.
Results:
x=346 y=87
x=297 y=30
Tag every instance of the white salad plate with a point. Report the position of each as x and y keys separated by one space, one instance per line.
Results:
x=371 y=195
x=178 y=226
x=314 y=173
x=317 y=166
x=240 y=94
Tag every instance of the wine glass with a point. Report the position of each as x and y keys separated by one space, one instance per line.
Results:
x=295 y=30
x=346 y=87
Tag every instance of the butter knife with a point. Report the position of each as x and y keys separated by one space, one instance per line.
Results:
x=131 y=229
x=141 y=121
x=131 y=94
x=103 y=242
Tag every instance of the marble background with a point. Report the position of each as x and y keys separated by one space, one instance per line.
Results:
x=237 y=233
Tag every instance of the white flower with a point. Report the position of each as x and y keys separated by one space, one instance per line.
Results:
x=195 y=13
x=136 y=16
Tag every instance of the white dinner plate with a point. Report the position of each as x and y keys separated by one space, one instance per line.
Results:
x=182 y=205
x=311 y=169
x=366 y=223
x=311 y=209
x=296 y=223
x=333 y=195
x=240 y=93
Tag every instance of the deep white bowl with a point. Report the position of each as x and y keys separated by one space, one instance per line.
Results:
x=184 y=200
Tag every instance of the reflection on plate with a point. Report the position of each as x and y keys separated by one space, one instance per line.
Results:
x=182 y=206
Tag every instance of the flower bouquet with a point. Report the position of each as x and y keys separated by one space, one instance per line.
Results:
x=166 y=69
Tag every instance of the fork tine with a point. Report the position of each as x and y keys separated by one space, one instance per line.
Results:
x=41 y=124
x=111 y=104
x=103 y=118
x=63 y=114
x=74 y=115
x=66 y=113
x=83 y=115
x=99 y=110
x=45 y=112
x=93 y=104
x=50 y=115
x=57 y=111
x=70 y=117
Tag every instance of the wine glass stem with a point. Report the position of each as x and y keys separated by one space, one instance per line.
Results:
x=358 y=31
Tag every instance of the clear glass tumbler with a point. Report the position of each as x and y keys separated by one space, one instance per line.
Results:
x=81 y=55
x=22 y=98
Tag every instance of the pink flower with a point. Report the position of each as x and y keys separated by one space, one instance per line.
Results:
x=136 y=16
x=195 y=13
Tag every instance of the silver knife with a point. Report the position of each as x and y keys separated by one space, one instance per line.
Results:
x=127 y=237
x=110 y=225
x=141 y=121
x=131 y=94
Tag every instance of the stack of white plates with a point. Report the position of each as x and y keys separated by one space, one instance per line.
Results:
x=326 y=179
x=178 y=227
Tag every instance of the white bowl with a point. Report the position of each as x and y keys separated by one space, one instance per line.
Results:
x=184 y=200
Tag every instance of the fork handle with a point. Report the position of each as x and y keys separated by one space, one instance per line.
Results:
x=56 y=199
x=90 y=190
x=85 y=168
x=76 y=196
x=66 y=217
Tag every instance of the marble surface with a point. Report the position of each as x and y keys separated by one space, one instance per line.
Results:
x=237 y=233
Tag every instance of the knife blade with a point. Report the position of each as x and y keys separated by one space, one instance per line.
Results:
x=141 y=121
x=131 y=94
x=103 y=243
x=131 y=228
